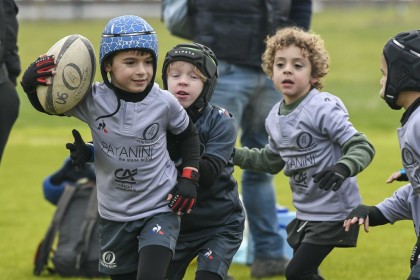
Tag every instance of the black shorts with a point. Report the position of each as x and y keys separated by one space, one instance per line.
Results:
x=320 y=233
x=121 y=242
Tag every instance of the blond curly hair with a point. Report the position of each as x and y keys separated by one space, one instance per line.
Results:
x=312 y=47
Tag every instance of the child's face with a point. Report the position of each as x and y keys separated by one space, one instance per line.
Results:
x=292 y=73
x=382 y=81
x=131 y=71
x=184 y=82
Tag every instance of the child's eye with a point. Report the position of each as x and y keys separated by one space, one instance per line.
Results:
x=149 y=61
x=173 y=74
x=298 y=66
x=279 y=65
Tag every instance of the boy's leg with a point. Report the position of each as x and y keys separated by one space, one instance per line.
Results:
x=306 y=261
x=153 y=262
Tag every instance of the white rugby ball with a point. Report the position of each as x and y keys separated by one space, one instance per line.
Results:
x=75 y=61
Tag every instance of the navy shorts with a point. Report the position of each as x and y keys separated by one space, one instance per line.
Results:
x=214 y=253
x=121 y=242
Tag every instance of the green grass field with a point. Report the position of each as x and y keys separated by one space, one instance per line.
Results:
x=354 y=39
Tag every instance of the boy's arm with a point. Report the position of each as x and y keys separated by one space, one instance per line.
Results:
x=262 y=160
x=190 y=147
x=358 y=153
x=365 y=215
x=182 y=197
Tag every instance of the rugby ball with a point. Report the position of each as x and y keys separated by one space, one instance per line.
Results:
x=75 y=61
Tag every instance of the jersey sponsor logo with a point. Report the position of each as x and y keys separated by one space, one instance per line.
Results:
x=158 y=229
x=150 y=132
x=407 y=156
x=300 y=178
x=223 y=111
x=304 y=140
x=102 y=126
x=125 y=179
x=108 y=260
x=128 y=154
x=301 y=184
x=125 y=175
x=208 y=254
x=301 y=162
x=411 y=167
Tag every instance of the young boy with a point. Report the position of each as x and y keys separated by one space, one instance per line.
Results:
x=312 y=139
x=213 y=231
x=129 y=116
x=400 y=89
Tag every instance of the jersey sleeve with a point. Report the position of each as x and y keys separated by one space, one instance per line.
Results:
x=398 y=206
x=332 y=119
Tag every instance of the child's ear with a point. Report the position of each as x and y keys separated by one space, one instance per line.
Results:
x=107 y=67
x=314 y=80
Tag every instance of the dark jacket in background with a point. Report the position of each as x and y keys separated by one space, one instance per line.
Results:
x=9 y=70
x=236 y=29
x=9 y=58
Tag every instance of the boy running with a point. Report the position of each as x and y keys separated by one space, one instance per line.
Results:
x=313 y=141
x=400 y=90
x=129 y=116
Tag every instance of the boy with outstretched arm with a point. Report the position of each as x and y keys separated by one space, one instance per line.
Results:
x=400 y=88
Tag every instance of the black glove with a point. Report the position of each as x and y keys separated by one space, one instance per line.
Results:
x=415 y=254
x=37 y=73
x=361 y=212
x=184 y=194
x=332 y=177
x=80 y=153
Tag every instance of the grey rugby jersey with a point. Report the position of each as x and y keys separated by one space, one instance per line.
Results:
x=134 y=173
x=408 y=136
x=309 y=139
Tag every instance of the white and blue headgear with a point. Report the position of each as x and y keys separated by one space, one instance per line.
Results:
x=127 y=32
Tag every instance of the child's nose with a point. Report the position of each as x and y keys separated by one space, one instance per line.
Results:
x=183 y=79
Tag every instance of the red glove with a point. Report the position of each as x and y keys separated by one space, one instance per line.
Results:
x=37 y=73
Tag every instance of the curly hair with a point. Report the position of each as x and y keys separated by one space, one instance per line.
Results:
x=312 y=47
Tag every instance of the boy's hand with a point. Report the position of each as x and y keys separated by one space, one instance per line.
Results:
x=399 y=175
x=359 y=215
x=37 y=73
x=183 y=196
x=80 y=153
x=332 y=177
